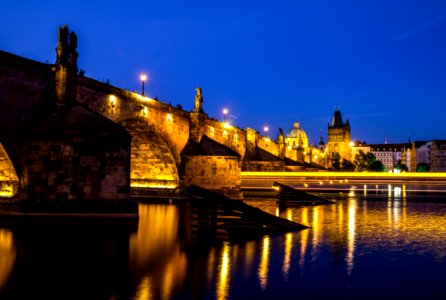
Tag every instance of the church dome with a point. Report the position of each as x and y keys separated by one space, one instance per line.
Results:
x=297 y=132
x=297 y=136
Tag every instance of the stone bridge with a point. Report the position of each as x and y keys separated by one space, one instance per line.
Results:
x=170 y=147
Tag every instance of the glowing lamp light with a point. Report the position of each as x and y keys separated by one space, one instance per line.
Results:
x=144 y=111
x=225 y=113
x=112 y=100
x=143 y=78
x=352 y=144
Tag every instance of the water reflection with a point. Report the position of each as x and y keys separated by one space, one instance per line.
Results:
x=264 y=261
x=303 y=246
x=224 y=276
x=7 y=255
x=349 y=243
x=156 y=258
x=316 y=230
x=287 y=256
x=65 y=261
x=351 y=235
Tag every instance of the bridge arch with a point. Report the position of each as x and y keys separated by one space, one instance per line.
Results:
x=152 y=163
x=9 y=181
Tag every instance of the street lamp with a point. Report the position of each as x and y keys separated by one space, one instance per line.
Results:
x=143 y=78
x=225 y=113
x=265 y=129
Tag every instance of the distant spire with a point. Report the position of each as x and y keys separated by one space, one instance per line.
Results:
x=321 y=141
x=337 y=119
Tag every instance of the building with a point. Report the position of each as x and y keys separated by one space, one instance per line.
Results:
x=438 y=156
x=296 y=142
x=390 y=154
x=423 y=152
x=296 y=137
x=321 y=145
x=359 y=146
x=339 y=136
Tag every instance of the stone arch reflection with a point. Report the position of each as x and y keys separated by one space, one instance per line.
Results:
x=156 y=257
x=7 y=255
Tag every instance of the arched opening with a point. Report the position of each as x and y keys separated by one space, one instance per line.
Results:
x=9 y=181
x=152 y=164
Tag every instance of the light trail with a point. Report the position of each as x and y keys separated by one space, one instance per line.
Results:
x=432 y=183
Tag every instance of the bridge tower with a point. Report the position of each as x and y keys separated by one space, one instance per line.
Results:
x=339 y=136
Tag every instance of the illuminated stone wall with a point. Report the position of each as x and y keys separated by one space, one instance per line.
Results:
x=152 y=162
x=218 y=173
x=268 y=145
x=212 y=166
x=172 y=123
x=226 y=134
x=264 y=166
x=159 y=130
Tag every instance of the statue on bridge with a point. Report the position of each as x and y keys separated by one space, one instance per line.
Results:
x=66 y=48
x=198 y=101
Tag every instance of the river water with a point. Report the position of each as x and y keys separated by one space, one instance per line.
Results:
x=355 y=249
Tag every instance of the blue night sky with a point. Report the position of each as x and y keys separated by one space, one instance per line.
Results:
x=269 y=62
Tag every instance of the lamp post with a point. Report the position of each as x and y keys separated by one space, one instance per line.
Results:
x=225 y=113
x=265 y=129
x=143 y=78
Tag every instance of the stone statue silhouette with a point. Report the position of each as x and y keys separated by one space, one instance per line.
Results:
x=198 y=100
x=63 y=36
x=73 y=40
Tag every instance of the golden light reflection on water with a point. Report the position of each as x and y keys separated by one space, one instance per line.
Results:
x=352 y=225
x=7 y=255
x=145 y=289
x=287 y=256
x=264 y=263
x=303 y=246
x=211 y=264
x=224 y=272
x=351 y=235
x=156 y=244
x=250 y=251
x=316 y=227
